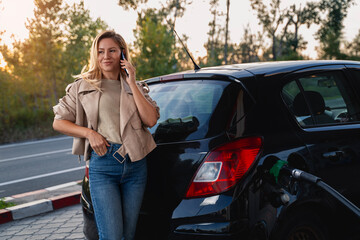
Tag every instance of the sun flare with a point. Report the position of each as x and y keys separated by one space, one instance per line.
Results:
x=13 y=18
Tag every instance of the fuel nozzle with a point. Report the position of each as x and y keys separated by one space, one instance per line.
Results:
x=280 y=169
x=282 y=166
x=276 y=168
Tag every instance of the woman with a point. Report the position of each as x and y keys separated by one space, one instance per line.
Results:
x=107 y=112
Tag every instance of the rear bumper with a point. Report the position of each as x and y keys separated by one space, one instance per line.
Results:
x=214 y=217
x=156 y=227
x=215 y=230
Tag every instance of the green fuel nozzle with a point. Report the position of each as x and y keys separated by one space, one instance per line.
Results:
x=275 y=169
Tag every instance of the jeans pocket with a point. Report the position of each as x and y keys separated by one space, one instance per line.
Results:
x=96 y=155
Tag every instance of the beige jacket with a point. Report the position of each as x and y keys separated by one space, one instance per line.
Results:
x=80 y=106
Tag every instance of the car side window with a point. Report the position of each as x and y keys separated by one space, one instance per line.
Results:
x=320 y=99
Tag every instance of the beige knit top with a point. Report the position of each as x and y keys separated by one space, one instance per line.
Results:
x=109 y=111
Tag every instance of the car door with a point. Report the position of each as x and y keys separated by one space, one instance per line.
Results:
x=326 y=107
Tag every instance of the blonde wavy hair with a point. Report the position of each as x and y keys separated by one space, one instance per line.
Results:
x=92 y=73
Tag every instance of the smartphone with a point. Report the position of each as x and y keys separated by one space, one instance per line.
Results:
x=122 y=57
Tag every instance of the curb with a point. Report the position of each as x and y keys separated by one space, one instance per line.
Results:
x=38 y=206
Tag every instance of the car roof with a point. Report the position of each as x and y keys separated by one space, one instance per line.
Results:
x=284 y=66
x=251 y=69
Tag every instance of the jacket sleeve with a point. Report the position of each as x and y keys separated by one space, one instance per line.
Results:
x=144 y=88
x=66 y=108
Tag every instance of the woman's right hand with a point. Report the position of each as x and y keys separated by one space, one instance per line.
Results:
x=98 y=143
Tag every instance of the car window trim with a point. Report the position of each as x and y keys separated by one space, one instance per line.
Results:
x=348 y=126
x=351 y=75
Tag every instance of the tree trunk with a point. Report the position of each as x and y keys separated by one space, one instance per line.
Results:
x=274 y=47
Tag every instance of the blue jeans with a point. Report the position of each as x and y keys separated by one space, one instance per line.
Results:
x=117 y=187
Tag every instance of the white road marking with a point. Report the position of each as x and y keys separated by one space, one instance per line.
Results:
x=61 y=186
x=34 y=155
x=34 y=142
x=42 y=175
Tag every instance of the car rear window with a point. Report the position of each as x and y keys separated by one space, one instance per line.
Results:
x=188 y=108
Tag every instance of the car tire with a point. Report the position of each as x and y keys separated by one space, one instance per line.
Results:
x=302 y=225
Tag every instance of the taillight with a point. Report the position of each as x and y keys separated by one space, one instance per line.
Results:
x=224 y=167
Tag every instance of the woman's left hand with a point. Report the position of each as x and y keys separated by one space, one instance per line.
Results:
x=148 y=112
x=131 y=79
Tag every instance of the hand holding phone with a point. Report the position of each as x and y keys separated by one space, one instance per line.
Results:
x=122 y=57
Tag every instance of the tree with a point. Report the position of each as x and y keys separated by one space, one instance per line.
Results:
x=9 y=96
x=81 y=29
x=219 y=49
x=172 y=6
x=250 y=47
x=226 y=31
x=134 y=4
x=298 y=16
x=57 y=48
x=37 y=61
x=41 y=65
x=173 y=10
x=271 y=20
x=214 y=45
x=154 y=46
x=146 y=50
x=277 y=24
x=330 y=32
x=353 y=48
x=291 y=47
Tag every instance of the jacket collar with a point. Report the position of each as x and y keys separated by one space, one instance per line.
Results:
x=86 y=87
x=89 y=98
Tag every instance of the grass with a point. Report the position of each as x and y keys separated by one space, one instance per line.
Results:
x=38 y=131
x=4 y=204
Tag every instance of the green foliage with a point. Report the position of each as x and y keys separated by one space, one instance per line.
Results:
x=215 y=44
x=176 y=8
x=80 y=32
x=282 y=26
x=4 y=204
x=40 y=67
x=127 y=4
x=156 y=49
x=154 y=46
x=330 y=32
x=6 y=98
x=353 y=48
x=250 y=46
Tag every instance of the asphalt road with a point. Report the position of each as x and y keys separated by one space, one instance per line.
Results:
x=35 y=165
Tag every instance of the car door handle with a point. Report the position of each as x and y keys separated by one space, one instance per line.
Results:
x=333 y=154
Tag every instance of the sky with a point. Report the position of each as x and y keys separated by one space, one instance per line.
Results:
x=194 y=23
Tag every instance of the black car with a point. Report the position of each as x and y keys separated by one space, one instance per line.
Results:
x=222 y=129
